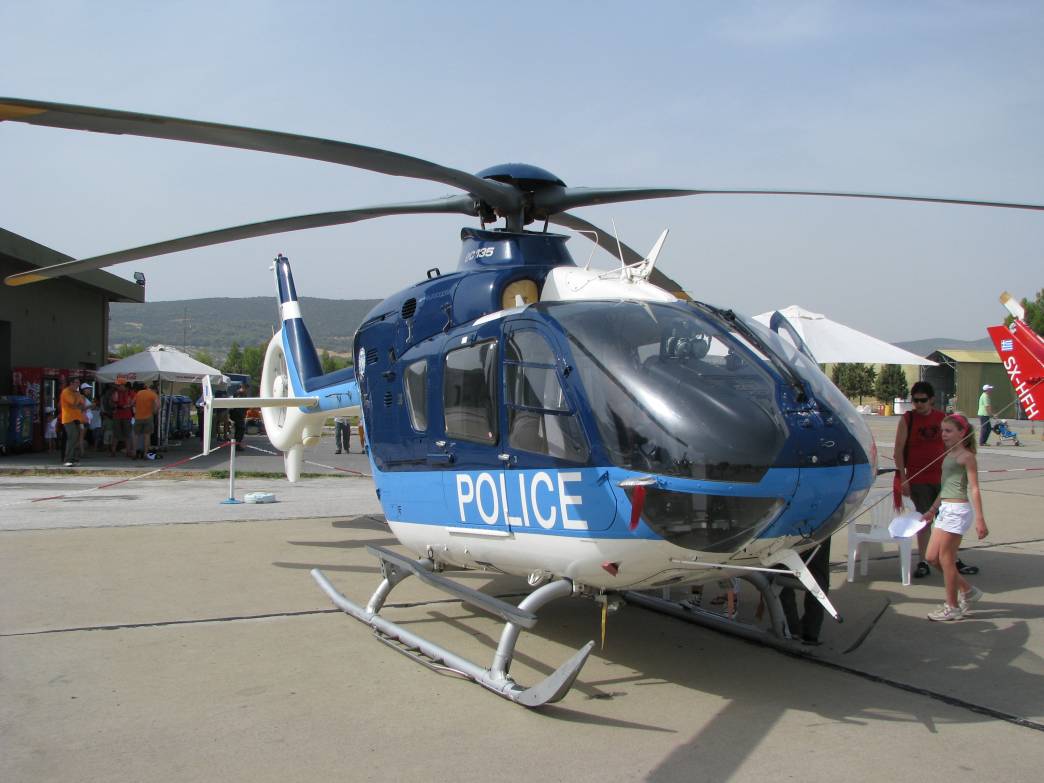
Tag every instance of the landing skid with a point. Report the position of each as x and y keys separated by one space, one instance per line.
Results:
x=775 y=635
x=395 y=568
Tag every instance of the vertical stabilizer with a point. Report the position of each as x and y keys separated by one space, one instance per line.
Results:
x=301 y=357
x=1021 y=351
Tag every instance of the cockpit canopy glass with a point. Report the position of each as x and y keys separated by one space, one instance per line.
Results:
x=673 y=391
x=826 y=393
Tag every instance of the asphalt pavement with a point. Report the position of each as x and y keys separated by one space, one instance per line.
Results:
x=149 y=631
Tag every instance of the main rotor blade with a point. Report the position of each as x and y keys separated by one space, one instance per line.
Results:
x=451 y=204
x=549 y=203
x=554 y=200
x=626 y=254
x=557 y=199
x=881 y=196
x=87 y=118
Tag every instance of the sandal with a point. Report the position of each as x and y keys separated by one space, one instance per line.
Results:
x=922 y=570
x=967 y=570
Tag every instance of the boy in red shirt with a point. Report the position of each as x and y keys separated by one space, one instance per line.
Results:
x=122 y=413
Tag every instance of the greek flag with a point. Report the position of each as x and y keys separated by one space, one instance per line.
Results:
x=1007 y=345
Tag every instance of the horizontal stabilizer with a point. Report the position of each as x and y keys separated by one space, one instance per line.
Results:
x=264 y=402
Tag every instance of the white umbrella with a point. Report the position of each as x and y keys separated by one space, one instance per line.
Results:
x=161 y=362
x=831 y=342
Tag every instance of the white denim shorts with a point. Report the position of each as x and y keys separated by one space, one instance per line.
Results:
x=955 y=518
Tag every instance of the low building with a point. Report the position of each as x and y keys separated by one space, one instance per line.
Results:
x=960 y=375
x=59 y=323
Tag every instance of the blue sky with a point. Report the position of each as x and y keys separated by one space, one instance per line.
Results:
x=930 y=98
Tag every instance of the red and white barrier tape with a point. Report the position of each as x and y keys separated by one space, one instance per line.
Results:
x=991 y=470
x=308 y=462
x=109 y=484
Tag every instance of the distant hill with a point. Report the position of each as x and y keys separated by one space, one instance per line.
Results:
x=214 y=324
x=925 y=347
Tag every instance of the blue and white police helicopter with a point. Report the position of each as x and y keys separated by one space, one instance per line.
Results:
x=596 y=432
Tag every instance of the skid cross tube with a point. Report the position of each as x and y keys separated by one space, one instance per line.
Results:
x=496 y=678
x=776 y=635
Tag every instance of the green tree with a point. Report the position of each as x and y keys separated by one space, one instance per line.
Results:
x=205 y=357
x=854 y=380
x=253 y=361
x=234 y=360
x=891 y=383
x=329 y=363
x=129 y=349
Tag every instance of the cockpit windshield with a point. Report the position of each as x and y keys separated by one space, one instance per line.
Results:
x=673 y=391
x=825 y=392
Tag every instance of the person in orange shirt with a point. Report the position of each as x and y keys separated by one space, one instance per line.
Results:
x=145 y=403
x=73 y=419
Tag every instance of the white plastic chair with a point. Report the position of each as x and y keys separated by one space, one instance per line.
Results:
x=877 y=526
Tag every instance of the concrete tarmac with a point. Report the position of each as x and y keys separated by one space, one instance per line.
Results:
x=149 y=632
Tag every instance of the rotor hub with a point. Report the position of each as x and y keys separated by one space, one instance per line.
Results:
x=527 y=179
x=521 y=175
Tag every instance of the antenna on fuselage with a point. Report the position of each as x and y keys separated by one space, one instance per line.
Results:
x=593 y=236
x=641 y=270
x=645 y=268
x=619 y=247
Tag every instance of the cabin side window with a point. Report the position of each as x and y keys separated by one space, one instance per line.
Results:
x=539 y=419
x=469 y=392
x=415 y=381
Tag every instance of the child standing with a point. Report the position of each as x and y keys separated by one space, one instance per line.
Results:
x=51 y=431
x=959 y=505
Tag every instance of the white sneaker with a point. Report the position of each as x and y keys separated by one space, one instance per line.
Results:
x=968 y=597
x=69 y=464
x=946 y=613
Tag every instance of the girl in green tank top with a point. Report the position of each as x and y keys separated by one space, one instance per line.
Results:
x=954 y=479
x=958 y=499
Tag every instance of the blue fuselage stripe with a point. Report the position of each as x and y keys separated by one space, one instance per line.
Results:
x=587 y=502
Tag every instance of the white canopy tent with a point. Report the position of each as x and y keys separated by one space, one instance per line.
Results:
x=831 y=342
x=161 y=363
x=164 y=364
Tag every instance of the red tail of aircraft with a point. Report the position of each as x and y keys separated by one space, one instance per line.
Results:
x=1022 y=352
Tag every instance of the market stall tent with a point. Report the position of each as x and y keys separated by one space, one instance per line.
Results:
x=161 y=363
x=167 y=366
